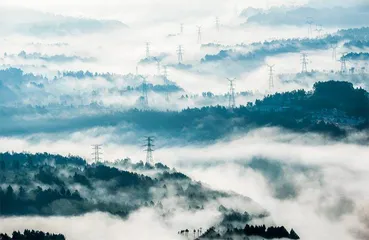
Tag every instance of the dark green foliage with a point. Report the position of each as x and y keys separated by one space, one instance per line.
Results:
x=122 y=178
x=13 y=159
x=81 y=179
x=269 y=233
x=48 y=178
x=324 y=111
x=32 y=235
x=356 y=56
x=102 y=188
x=357 y=44
x=173 y=176
x=341 y=96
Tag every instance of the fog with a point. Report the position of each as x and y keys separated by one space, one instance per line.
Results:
x=323 y=182
x=308 y=182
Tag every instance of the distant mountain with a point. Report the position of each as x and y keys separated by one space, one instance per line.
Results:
x=30 y=22
x=322 y=110
x=329 y=17
x=52 y=185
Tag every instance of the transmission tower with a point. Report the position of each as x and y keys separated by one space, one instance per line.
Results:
x=217 y=24
x=310 y=22
x=158 y=67
x=271 y=76
x=304 y=62
x=180 y=54
x=181 y=28
x=166 y=82
x=343 y=64
x=231 y=94
x=136 y=70
x=199 y=34
x=149 y=149
x=144 y=97
x=147 y=50
x=319 y=29
x=334 y=51
x=96 y=153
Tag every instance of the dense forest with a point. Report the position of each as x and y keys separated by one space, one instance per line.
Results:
x=52 y=185
x=239 y=233
x=31 y=235
x=322 y=110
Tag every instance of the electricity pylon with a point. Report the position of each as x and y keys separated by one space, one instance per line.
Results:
x=319 y=29
x=149 y=149
x=144 y=97
x=304 y=62
x=158 y=66
x=181 y=28
x=199 y=34
x=180 y=54
x=147 y=50
x=166 y=82
x=310 y=22
x=334 y=51
x=96 y=153
x=231 y=94
x=271 y=77
x=217 y=24
x=343 y=61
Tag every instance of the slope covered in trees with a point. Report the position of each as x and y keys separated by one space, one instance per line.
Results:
x=323 y=110
x=53 y=185
x=31 y=235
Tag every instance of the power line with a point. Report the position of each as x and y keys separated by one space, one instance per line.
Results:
x=231 y=94
x=304 y=62
x=96 y=153
x=180 y=54
x=149 y=149
x=271 y=77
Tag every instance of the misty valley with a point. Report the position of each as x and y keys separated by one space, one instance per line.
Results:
x=224 y=120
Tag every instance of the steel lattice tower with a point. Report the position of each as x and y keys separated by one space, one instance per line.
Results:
x=181 y=29
x=166 y=82
x=343 y=64
x=334 y=51
x=217 y=24
x=310 y=22
x=144 y=97
x=158 y=66
x=96 y=153
x=271 y=77
x=319 y=29
x=199 y=34
x=231 y=94
x=147 y=50
x=180 y=54
x=304 y=62
x=149 y=149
